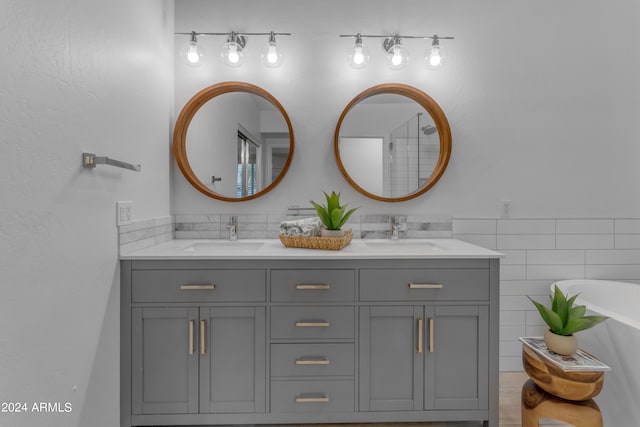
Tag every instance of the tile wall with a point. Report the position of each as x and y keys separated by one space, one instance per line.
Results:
x=538 y=253
x=542 y=251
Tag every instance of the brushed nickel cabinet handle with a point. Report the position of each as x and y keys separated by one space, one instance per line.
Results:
x=309 y=361
x=324 y=399
x=208 y=287
x=425 y=285
x=312 y=286
x=191 y=326
x=420 y=335
x=203 y=335
x=305 y=324
x=431 y=337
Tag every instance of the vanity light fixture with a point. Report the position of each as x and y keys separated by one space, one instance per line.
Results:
x=397 y=53
x=232 y=53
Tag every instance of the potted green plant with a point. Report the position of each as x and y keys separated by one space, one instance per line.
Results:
x=564 y=320
x=333 y=215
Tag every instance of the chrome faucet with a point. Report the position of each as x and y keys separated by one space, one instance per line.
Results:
x=395 y=227
x=233 y=228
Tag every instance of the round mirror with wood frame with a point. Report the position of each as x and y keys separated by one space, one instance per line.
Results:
x=377 y=146
x=218 y=144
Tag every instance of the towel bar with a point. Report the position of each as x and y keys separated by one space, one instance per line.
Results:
x=90 y=160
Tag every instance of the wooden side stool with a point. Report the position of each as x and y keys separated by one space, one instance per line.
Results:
x=561 y=395
x=537 y=403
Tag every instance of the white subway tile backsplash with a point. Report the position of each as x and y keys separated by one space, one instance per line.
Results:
x=629 y=226
x=584 y=241
x=535 y=330
x=613 y=272
x=485 y=240
x=511 y=333
x=584 y=226
x=526 y=241
x=560 y=257
x=514 y=302
x=526 y=226
x=525 y=287
x=613 y=256
x=532 y=317
x=513 y=272
x=474 y=226
x=555 y=272
x=513 y=257
x=627 y=241
x=512 y=318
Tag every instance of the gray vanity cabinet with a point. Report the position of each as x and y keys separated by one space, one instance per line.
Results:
x=295 y=341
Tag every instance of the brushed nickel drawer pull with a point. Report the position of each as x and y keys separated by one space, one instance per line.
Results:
x=420 y=335
x=191 y=326
x=320 y=324
x=425 y=285
x=208 y=287
x=323 y=399
x=203 y=337
x=312 y=286
x=431 y=337
x=319 y=361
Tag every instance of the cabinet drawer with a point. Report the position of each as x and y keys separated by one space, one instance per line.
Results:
x=198 y=285
x=312 y=322
x=424 y=284
x=312 y=396
x=312 y=285
x=311 y=360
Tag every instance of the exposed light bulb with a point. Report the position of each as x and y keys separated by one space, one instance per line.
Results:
x=232 y=54
x=436 y=55
x=193 y=53
x=271 y=54
x=399 y=57
x=397 y=54
x=358 y=56
x=435 y=59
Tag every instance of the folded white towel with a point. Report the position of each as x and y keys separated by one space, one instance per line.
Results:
x=301 y=227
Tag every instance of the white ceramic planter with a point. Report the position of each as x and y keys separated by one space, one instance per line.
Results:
x=561 y=344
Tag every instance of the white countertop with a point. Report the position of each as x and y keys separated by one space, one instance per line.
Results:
x=186 y=249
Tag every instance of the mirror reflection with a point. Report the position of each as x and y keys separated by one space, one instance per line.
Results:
x=238 y=144
x=389 y=145
x=392 y=142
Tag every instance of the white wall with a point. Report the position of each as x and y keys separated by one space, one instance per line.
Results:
x=76 y=75
x=542 y=98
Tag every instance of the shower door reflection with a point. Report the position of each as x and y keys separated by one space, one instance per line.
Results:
x=248 y=178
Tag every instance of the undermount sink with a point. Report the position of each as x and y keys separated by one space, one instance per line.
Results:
x=223 y=245
x=403 y=245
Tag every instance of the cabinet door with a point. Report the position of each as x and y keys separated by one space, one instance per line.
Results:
x=391 y=365
x=232 y=360
x=164 y=360
x=457 y=362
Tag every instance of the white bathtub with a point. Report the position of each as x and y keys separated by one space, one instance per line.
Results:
x=616 y=342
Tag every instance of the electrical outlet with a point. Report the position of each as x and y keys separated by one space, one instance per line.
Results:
x=124 y=213
x=506 y=208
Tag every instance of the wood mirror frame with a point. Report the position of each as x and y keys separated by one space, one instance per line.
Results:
x=187 y=114
x=438 y=117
